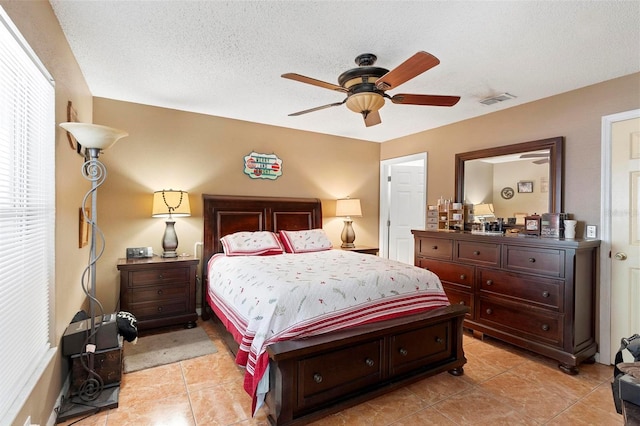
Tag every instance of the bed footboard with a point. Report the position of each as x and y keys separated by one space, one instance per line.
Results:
x=311 y=378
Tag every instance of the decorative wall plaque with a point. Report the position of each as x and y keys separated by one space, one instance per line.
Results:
x=262 y=166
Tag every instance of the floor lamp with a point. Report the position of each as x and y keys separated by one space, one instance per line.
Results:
x=94 y=139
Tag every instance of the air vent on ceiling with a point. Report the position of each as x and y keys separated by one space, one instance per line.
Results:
x=498 y=98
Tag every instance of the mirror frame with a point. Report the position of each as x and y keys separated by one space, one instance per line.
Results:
x=556 y=166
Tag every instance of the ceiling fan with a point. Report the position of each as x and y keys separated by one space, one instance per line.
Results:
x=544 y=157
x=365 y=86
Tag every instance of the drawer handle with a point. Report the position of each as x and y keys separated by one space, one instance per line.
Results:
x=369 y=362
x=159 y=291
x=317 y=378
x=489 y=311
x=461 y=302
x=434 y=247
x=489 y=282
x=159 y=308
x=463 y=277
x=532 y=260
x=160 y=276
x=545 y=327
x=403 y=352
x=545 y=294
x=438 y=339
x=477 y=253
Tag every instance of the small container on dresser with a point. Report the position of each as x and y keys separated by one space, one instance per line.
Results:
x=533 y=292
x=159 y=291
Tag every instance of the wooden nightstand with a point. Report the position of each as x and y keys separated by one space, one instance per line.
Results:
x=159 y=291
x=363 y=249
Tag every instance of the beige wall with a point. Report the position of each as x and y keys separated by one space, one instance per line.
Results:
x=204 y=155
x=576 y=115
x=38 y=24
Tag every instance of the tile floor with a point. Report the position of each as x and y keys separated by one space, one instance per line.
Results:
x=502 y=385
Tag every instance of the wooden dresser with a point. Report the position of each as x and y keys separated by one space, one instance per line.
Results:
x=159 y=291
x=536 y=293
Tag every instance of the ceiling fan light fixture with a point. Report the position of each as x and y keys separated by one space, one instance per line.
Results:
x=365 y=102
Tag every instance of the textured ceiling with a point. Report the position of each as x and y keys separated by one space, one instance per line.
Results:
x=226 y=58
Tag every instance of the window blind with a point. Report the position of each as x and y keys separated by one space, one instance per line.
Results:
x=27 y=217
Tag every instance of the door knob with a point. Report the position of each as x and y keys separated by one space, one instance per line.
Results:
x=620 y=256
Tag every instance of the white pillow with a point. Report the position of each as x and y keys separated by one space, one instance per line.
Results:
x=305 y=241
x=251 y=243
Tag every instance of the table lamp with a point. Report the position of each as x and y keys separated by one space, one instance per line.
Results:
x=170 y=203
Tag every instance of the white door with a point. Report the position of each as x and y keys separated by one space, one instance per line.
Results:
x=402 y=204
x=625 y=231
x=406 y=210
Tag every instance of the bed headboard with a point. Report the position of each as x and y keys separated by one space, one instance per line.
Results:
x=226 y=214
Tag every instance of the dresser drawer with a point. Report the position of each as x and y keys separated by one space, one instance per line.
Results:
x=450 y=272
x=479 y=253
x=543 y=326
x=145 y=277
x=435 y=247
x=159 y=293
x=420 y=347
x=459 y=297
x=534 y=260
x=329 y=376
x=153 y=309
x=545 y=292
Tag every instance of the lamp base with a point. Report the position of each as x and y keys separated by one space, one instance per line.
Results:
x=170 y=240
x=348 y=236
x=75 y=406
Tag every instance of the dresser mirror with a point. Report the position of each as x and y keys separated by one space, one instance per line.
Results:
x=511 y=181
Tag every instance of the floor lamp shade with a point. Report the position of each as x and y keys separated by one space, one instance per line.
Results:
x=348 y=207
x=94 y=135
x=170 y=203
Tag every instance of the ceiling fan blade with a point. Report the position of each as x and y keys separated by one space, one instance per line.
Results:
x=313 y=82
x=434 y=100
x=316 y=108
x=372 y=119
x=415 y=65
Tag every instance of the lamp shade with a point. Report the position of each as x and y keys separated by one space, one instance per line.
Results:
x=169 y=202
x=348 y=207
x=94 y=135
x=483 y=210
x=365 y=101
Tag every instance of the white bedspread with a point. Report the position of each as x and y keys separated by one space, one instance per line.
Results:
x=266 y=299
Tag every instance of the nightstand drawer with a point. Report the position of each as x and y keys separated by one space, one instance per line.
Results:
x=159 y=293
x=145 y=310
x=159 y=276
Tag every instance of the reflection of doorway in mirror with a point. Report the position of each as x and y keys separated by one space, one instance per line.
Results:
x=544 y=184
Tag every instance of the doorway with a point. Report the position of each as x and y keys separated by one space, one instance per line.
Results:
x=619 y=278
x=403 y=204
